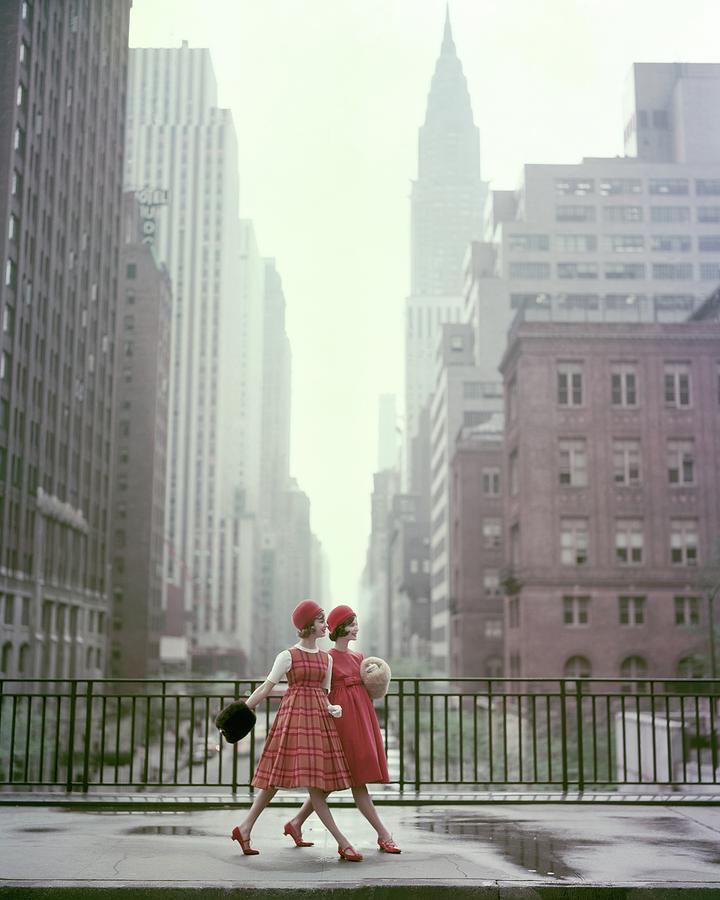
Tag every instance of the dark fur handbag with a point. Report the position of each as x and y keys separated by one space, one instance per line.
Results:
x=235 y=720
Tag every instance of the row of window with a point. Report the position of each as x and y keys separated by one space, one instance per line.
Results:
x=615 y=270
x=607 y=187
x=93 y=659
x=634 y=666
x=614 y=243
x=623 y=387
x=659 y=215
x=624 y=304
x=631 y=611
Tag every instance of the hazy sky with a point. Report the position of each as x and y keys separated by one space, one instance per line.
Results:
x=327 y=97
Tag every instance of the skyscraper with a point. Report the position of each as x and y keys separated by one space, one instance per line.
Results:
x=180 y=141
x=447 y=207
x=62 y=107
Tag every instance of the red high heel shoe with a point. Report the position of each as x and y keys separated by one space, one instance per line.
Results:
x=388 y=846
x=350 y=854
x=244 y=843
x=296 y=835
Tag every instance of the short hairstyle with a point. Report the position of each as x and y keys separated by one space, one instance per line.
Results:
x=341 y=629
x=305 y=632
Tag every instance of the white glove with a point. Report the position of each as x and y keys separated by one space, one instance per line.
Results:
x=335 y=710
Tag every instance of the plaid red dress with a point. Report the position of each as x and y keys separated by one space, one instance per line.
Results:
x=302 y=748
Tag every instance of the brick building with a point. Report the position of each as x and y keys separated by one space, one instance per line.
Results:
x=612 y=500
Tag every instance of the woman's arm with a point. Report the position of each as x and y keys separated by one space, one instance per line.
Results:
x=260 y=693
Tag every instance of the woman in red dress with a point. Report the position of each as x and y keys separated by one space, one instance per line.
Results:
x=358 y=728
x=302 y=748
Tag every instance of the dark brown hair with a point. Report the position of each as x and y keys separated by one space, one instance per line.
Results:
x=341 y=629
x=305 y=632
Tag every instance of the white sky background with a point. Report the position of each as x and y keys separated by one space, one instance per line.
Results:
x=327 y=97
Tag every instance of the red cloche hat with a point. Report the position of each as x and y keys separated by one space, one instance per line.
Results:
x=304 y=613
x=338 y=615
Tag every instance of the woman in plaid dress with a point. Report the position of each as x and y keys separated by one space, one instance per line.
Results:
x=302 y=748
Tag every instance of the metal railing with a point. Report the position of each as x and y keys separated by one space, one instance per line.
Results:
x=462 y=733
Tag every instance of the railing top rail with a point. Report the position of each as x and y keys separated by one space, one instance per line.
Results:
x=443 y=679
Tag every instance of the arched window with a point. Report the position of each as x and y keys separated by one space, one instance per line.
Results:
x=690 y=667
x=633 y=667
x=24 y=660
x=6 y=657
x=577 y=667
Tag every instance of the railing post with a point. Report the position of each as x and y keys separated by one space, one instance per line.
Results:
x=71 y=737
x=581 y=763
x=236 y=696
x=88 y=735
x=417 y=735
x=401 y=727
x=563 y=735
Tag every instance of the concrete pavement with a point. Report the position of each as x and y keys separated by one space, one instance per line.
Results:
x=518 y=851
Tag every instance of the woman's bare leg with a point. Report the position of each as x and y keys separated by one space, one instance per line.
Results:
x=318 y=799
x=298 y=820
x=364 y=803
x=264 y=796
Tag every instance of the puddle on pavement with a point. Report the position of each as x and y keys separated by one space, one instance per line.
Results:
x=536 y=853
x=39 y=830
x=184 y=830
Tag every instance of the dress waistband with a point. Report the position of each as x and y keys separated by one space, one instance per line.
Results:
x=305 y=687
x=348 y=680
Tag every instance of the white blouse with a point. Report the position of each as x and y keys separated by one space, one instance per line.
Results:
x=283 y=664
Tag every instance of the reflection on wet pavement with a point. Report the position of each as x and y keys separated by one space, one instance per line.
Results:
x=167 y=829
x=537 y=853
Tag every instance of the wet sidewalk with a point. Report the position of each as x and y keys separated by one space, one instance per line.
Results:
x=488 y=850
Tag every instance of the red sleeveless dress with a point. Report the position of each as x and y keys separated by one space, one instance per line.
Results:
x=302 y=748
x=358 y=726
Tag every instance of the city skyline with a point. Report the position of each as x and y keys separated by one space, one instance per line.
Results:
x=316 y=97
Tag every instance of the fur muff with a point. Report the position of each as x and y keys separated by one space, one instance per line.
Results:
x=375 y=674
x=235 y=720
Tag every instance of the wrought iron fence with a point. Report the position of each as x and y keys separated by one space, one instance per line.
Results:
x=569 y=734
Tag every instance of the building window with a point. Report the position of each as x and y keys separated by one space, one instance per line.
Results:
x=677 y=384
x=528 y=242
x=491 y=584
x=515 y=545
x=622 y=213
x=625 y=243
x=683 y=542
x=708 y=214
x=672 y=271
x=491 y=482
x=633 y=667
x=577 y=270
x=691 y=667
x=681 y=461
x=529 y=270
x=625 y=270
x=493 y=629
x=10 y=274
x=577 y=667
x=629 y=542
x=632 y=610
x=492 y=533
x=709 y=243
x=710 y=271
x=574 y=187
x=514 y=474
x=664 y=214
x=623 y=385
x=573 y=462
x=19 y=142
x=513 y=612
x=669 y=186
x=576 y=610
x=569 y=384
x=610 y=187
x=670 y=243
x=9 y=616
x=705 y=187
x=626 y=461
x=573 y=542
x=576 y=243
x=131 y=271
x=687 y=611
x=575 y=213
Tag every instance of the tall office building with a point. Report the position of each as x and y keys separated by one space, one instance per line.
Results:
x=62 y=107
x=447 y=208
x=142 y=366
x=179 y=141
